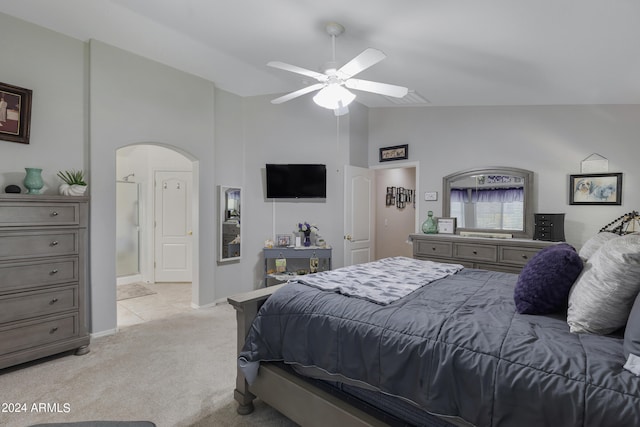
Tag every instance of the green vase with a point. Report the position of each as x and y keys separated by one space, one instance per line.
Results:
x=429 y=225
x=33 y=180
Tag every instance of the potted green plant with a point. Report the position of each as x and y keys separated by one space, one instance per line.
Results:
x=74 y=183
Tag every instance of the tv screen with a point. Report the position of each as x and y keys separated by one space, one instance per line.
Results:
x=296 y=181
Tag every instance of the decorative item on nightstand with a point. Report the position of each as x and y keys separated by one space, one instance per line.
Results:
x=307 y=229
x=549 y=227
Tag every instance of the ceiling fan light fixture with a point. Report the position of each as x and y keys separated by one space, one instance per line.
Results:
x=333 y=96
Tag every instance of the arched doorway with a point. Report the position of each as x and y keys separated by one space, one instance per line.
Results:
x=154 y=239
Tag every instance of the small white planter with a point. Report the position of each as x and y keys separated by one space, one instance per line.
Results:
x=72 y=190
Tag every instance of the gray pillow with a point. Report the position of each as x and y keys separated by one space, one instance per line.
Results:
x=593 y=244
x=601 y=298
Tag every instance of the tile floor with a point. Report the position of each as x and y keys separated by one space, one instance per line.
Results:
x=170 y=299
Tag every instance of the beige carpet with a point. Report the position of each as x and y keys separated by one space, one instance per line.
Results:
x=132 y=290
x=178 y=371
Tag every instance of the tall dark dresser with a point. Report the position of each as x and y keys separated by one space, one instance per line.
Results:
x=43 y=276
x=548 y=227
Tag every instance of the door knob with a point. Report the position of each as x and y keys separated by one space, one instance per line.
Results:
x=190 y=233
x=348 y=237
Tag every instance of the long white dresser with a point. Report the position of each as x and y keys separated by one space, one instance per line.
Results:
x=508 y=255
x=43 y=276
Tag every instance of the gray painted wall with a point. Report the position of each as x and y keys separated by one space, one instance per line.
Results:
x=53 y=66
x=549 y=140
x=134 y=100
x=294 y=132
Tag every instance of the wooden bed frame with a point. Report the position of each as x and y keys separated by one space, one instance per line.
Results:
x=299 y=400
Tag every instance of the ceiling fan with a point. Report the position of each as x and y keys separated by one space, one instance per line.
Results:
x=332 y=83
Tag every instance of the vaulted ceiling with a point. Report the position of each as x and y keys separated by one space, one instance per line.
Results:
x=450 y=52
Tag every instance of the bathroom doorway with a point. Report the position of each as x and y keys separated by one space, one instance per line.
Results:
x=141 y=296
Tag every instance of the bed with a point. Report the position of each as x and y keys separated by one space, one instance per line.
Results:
x=452 y=351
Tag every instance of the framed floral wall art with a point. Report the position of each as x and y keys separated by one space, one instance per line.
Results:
x=595 y=189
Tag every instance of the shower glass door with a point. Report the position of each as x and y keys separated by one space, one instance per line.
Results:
x=127 y=228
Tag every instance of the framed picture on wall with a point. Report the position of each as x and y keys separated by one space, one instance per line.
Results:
x=15 y=113
x=595 y=189
x=397 y=152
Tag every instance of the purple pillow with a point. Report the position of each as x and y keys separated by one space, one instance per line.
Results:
x=545 y=281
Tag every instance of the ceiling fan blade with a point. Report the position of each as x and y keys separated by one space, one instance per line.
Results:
x=297 y=93
x=375 y=87
x=361 y=62
x=298 y=70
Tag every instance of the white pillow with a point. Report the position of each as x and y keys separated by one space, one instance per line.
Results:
x=601 y=298
x=593 y=244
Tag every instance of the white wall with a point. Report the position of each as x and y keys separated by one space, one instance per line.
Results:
x=358 y=135
x=53 y=67
x=293 y=132
x=134 y=100
x=549 y=140
x=252 y=132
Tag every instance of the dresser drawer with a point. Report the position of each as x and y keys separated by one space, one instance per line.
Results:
x=38 y=333
x=432 y=249
x=25 y=305
x=38 y=214
x=23 y=275
x=475 y=252
x=38 y=244
x=515 y=255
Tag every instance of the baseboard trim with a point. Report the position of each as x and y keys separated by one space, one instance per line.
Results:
x=104 y=333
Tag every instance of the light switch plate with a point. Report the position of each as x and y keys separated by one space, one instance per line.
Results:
x=431 y=195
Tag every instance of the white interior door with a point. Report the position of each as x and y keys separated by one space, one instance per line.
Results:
x=173 y=232
x=359 y=215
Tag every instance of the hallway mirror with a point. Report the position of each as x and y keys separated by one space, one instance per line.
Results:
x=495 y=200
x=230 y=202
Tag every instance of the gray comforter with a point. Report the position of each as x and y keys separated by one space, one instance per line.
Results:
x=454 y=347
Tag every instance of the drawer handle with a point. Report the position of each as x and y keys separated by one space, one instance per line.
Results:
x=433 y=249
x=475 y=252
x=54 y=271
x=54 y=213
x=53 y=330
x=524 y=256
x=54 y=243
x=53 y=301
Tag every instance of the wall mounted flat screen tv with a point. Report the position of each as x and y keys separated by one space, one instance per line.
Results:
x=296 y=181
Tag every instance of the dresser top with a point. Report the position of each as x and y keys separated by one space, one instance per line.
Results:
x=23 y=197
x=483 y=240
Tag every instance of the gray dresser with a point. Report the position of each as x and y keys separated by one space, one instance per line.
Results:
x=43 y=276
x=508 y=255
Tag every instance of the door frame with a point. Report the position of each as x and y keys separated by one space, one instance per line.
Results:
x=394 y=165
x=148 y=200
